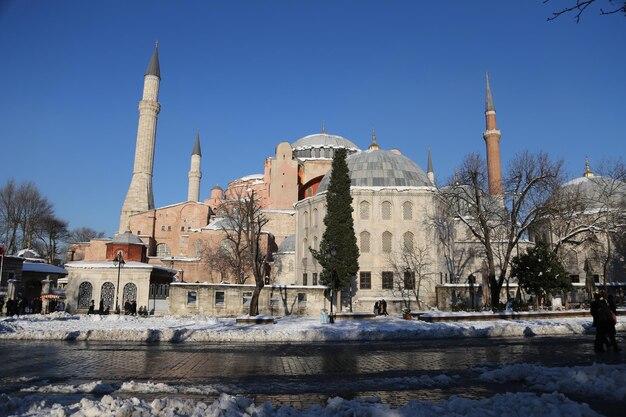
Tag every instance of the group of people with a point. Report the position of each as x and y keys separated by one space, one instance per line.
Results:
x=604 y=313
x=21 y=305
x=380 y=308
x=130 y=308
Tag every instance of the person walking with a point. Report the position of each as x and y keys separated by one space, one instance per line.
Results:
x=603 y=321
x=376 y=308
x=101 y=307
x=92 y=307
x=611 y=330
x=383 y=307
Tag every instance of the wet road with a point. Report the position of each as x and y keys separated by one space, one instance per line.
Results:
x=294 y=374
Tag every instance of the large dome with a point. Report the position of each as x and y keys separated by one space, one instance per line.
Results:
x=596 y=190
x=381 y=168
x=323 y=140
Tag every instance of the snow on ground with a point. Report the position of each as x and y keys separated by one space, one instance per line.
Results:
x=63 y=326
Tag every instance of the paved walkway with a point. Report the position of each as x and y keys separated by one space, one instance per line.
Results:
x=301 y=375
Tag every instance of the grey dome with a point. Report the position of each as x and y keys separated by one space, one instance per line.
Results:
x=127 y=238
x=595 y=190
x=323 y=140
x=287 y=245
x=381 y=168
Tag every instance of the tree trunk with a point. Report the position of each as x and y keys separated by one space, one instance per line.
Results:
x=254 y=301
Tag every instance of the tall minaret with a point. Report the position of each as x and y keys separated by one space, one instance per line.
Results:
x=431 y=170
x=492 y=140
x=139 y=197
x=194 y=172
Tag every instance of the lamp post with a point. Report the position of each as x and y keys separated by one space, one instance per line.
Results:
x=332 y=252
x=119 y=263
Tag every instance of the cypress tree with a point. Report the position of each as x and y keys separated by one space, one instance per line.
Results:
x=339 y=234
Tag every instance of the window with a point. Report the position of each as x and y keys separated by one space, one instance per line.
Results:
x=387 y=280
x=305 y=247
x=408 y=241
x=247 y=297
x=301 y=299
x=158 y=291
x=84 y=294
x=192 y=297
x=407 y=211
x=169 y=228
x=574 y=279
x=163 y=250
x=219 y=298
x=386 y=210
x=364 y=210
x=315 y=217
x=387 y=236
x=163 y=228
x=306 y=220
x=365 y=280
x=596 y=279
x=182 y=228
x=314 y=278
x=365 y=242
x=304 y=279
x=409 y=280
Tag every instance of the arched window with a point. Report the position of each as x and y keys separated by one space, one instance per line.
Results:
x=407 y=211
x=407 y=240
x=84 y=294
x=305 y=248
x=130 y=292
x=315 y=218
x=386 y=210
x=364 y=210
x=387 y=236
x=315 y=243
x=365 y=242
x=107 y=295
x=163 y=250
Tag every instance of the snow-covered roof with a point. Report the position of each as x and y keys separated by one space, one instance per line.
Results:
x=43 y=268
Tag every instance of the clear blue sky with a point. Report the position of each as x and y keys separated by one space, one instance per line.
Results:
x=250 y=74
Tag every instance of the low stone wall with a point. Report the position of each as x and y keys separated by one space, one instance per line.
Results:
x=232 y=300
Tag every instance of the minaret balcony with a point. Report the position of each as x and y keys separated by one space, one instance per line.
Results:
x=492 y=132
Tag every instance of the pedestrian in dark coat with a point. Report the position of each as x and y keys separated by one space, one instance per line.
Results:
x=603 y=322
x=133 y=308
x=101 y=307
x=1 y=304
x=92 y=307
x=383 y=307
x=376 y=308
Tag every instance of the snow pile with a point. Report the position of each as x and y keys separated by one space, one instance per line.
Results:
x=598 y=380
x=176 y=329
x=520 y=404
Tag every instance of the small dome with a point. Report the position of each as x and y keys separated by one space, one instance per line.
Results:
x=287 y=245
x=127 y=238
x=323 y=140
x=381 y=168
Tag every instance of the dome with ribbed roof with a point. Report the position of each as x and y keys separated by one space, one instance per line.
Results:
x=321 y=145
x=597 y=191
x=381 y=168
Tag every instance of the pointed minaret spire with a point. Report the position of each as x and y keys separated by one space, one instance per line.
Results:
x=488 y=97
x=323 y=127
x=431 y=170
x=492 y=141
x=153 y=66
x=139 y=197
x=196 y=146
x=374 y=145
x=588 y=173
x=195 y=175
x=456 y=178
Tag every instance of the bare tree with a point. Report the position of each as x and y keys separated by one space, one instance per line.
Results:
x=242 y=250
x=499 y=222
x=51 y=233
x=22 y=208
x=411 y=268
x=615 y=6
x=83 y=234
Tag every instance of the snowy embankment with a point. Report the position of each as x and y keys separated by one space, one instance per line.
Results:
x=62 y=326
x=553 y=385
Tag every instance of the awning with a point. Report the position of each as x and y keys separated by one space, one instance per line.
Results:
x=51 y=297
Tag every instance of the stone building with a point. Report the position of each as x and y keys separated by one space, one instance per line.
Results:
x=394 y=201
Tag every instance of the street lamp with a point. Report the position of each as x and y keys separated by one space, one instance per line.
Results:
x=119 y=263
x=332 y=252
